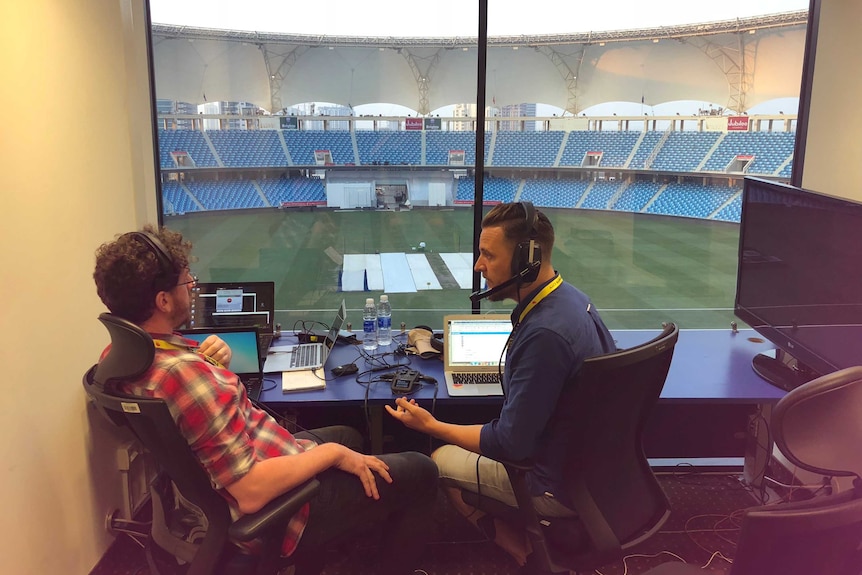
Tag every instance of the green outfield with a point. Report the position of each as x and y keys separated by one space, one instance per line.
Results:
x=639 y=269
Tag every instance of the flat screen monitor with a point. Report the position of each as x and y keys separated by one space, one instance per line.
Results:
x=233 y=304
x=799 y=280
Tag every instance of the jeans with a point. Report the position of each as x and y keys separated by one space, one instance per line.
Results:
x=402 y=515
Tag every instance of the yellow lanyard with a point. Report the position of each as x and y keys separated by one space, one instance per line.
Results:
x=555 y=283
x=162 y=344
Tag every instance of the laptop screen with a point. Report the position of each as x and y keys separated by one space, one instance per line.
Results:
x=243 y=346
x=228 y=304
x=476 y=342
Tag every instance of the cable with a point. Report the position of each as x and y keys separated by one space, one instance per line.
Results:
x=720 y=556
x=626 y=567
x=270 y=388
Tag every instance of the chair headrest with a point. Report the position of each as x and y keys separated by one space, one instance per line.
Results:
x=131 y=354
x=816 y=426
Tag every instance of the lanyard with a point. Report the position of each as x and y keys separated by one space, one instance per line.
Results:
x=555 y=283
x=162 y=344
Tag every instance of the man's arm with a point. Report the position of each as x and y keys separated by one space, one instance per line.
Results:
x=270 y=478
x=414 y=417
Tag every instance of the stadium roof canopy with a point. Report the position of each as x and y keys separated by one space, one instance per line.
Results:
x=735 y=63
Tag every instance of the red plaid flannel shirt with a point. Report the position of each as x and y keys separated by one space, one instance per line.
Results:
x=213 y=412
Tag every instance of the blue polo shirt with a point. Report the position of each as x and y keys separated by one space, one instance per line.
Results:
x=547 y=350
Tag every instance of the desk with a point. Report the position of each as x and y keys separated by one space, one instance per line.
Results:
x=709 y=367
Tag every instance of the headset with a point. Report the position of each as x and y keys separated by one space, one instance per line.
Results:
x=167 y=276
x=526 y=259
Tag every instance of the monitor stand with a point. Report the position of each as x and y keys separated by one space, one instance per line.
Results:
x=781 y=369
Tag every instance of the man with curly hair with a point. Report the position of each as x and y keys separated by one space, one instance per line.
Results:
x=144 y=277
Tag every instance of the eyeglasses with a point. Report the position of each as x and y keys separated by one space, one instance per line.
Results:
x=192 y=281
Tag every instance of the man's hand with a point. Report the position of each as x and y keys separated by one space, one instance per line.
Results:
x=214 y=347
x=364 y=467
x=410 y=414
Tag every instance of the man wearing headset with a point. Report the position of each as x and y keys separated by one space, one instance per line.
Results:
x=144 y=277
x=555 y=328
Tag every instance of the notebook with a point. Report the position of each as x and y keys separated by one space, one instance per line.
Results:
x=245 y=356
x=301 y=365
x=235 y=304
x=472 y=350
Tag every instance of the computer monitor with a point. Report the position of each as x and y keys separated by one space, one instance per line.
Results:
x=799 y=280
x=229 y=304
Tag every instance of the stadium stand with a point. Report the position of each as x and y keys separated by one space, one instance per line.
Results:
x=303 y=144
x=525 y=149
x=387 y=147
x=245 y=148
x=689 y=152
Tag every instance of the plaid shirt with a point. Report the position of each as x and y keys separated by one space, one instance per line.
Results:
x=226 y=432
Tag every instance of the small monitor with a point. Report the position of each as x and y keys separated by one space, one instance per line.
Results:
x=226 y=304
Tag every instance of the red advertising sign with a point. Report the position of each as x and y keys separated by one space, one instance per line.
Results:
x=737 y=123
x=412 y=123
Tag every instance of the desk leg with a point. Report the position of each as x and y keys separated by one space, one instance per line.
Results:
x=375 y=415
x=758 y=446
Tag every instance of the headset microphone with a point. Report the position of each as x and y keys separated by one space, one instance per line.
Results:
x=520 y=277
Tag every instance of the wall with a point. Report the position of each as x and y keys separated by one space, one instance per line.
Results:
x=833 y=155
x=73 y=174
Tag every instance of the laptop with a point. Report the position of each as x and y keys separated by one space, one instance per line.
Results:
x=305 y=356
x=235 y=304
x=472 y=351
x=245 y=355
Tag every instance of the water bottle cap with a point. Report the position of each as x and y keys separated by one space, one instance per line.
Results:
x=384 y=298
x=369 y=301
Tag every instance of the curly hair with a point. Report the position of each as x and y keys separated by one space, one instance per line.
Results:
x=129 y=274
x=511 y=217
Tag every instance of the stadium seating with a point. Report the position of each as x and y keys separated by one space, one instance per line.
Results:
x=243 y=148
x=294 y=191
x=302 y=144
x=669 y=151
x=537 y=149
x=614 y=146
x=388 y=147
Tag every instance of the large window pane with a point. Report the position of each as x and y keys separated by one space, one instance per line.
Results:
x=338 y=162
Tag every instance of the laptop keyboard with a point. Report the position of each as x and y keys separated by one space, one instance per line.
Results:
x=253 y=386
x=304 y=355
x=475 y=378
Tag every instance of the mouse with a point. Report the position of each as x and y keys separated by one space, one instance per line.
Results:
x=346 y=369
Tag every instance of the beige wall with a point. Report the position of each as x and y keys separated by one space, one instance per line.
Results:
x=72 y=175
x=833 y=154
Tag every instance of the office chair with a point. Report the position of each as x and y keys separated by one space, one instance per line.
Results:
x=618 y=500
x=200 y=532
x=816 y=426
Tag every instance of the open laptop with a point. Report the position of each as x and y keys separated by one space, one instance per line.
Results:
x=235 y=304
x=305 y=356
x=245 y=359
x=472 y=351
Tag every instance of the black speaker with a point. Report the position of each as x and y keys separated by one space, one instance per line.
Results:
x=528 y=252
x=168 y=276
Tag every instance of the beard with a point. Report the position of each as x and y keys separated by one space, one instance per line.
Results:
x=509 y=292
x=180 y=318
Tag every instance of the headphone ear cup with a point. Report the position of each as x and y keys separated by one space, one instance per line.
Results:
x=523 y=259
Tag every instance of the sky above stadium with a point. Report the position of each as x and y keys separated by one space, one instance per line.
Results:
x=454 y=17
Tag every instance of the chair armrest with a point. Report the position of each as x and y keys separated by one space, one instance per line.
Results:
x=275 y=513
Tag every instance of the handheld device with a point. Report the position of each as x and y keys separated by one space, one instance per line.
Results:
x=404 y=381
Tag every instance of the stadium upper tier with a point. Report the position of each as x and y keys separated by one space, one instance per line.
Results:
x=751 y=153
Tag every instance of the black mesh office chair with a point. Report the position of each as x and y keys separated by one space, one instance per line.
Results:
x=201 y=538
x=617 y=497
x=817 y=427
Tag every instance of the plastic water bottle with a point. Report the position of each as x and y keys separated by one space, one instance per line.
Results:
x=384 y=321
x=369 y=325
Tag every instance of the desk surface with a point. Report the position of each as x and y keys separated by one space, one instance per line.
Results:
x=709 y=366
